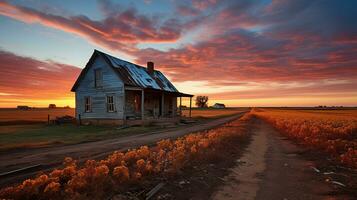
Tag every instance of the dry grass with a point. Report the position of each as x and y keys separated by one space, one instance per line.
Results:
x=19 y=128
x=39 y=114
x=213 y=113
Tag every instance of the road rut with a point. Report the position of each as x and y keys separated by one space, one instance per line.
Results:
x=271 y=168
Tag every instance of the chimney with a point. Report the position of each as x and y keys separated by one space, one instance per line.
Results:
x=150 y=68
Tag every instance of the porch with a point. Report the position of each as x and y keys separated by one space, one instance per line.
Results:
x=153 y=105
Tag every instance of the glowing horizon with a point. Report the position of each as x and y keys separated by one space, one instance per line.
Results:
x=240 y=53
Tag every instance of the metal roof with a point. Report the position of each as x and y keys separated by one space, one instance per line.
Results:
x=135 y=75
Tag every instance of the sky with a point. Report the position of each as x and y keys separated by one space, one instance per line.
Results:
x=237 y=52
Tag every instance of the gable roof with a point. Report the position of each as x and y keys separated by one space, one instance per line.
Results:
x=131 y=74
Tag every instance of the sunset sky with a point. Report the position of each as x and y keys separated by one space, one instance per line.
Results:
x=238 y=52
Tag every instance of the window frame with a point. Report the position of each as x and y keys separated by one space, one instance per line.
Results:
x=87 y=104
x=98 y=75
x=110 y=105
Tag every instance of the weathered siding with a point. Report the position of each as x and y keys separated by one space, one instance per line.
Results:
x=112 y=86
x=170 y=105
x=131 y=109
x=152 y=105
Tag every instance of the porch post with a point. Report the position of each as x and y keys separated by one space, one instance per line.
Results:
x=173 y=99
x=142 y=105
x=124 y=112
x=162 y=105
x=180 y=106
x=190 y=106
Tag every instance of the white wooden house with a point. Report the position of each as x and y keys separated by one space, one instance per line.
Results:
x=111 y=90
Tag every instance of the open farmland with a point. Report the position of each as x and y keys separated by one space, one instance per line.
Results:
x=13 y=116
x=28 y=129
x=212 y=113
x=196 y=165
x=119 y=170
x=332 y=131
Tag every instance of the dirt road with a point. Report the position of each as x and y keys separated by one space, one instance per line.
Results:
x=272 y=168
x=52 y=157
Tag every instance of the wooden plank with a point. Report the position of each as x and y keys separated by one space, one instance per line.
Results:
x=132 y=88
x=142 y=105
x=173 y=99
x=162 y=104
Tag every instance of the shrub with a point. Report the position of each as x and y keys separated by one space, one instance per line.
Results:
x=94 y=178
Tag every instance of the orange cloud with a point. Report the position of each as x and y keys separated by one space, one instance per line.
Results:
x=242 y=42
x=33 y=82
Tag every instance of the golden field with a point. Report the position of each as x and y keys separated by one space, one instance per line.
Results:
x=36 y=114
x=212 y=113
x=332 y=131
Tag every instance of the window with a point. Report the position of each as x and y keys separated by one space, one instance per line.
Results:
x=98 y=78
x=110 y=104
x=88 y=104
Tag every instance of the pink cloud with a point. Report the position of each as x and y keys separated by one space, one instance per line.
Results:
x=121 y=31
x=28 y=78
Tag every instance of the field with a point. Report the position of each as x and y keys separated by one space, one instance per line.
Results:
x=15 y=116
x=212 y=113
x=32 y=115
x=331 y=131
x=120 y=170
x=34 y=136
x=318 y=148
x=27 y=128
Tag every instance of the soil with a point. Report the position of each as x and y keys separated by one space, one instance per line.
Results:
x=197 y=179
x=52 y=157
x=264 y=166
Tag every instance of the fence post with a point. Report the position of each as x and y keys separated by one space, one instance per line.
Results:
x=48 y=119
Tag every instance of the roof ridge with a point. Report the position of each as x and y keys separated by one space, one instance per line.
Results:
x=106 y=54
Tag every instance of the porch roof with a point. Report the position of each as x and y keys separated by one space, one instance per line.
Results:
x=177 y=94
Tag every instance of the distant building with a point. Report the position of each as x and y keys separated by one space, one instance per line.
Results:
x=219 y=105
x=52 y=106
x=111 y=90
x=23 y=107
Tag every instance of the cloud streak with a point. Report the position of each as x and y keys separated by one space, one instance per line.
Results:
x=306 y=43
x=119 y=31
x=30 y=80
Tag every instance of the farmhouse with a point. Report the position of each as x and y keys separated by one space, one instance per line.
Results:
x=112 y=91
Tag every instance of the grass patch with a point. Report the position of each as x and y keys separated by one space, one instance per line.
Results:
x=23 y=136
